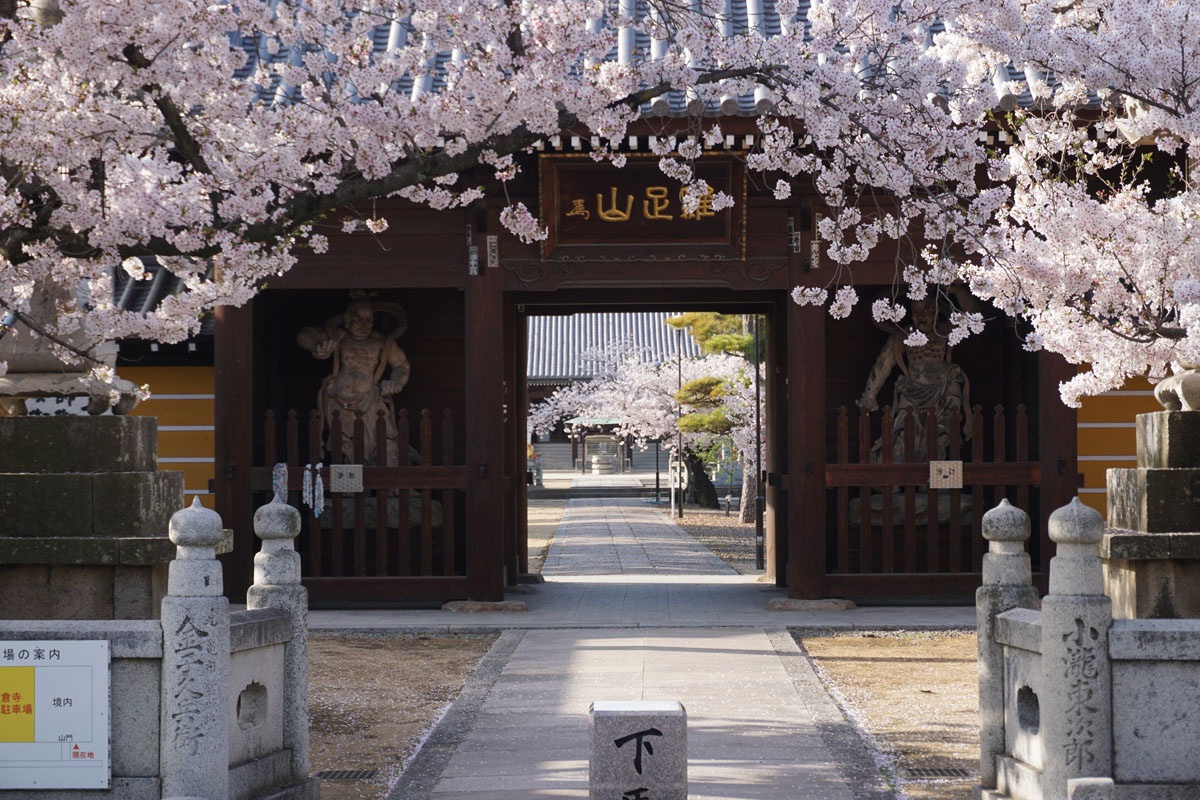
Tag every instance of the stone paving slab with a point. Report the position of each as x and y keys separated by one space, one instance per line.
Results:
x=751 y=737
x=674 y=582
x=634 y=609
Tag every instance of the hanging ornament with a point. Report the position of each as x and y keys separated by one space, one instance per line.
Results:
x=306 y=486
x=318 y=492
x=279 y=482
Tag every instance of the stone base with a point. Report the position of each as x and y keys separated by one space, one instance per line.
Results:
x=1159 y=589
x=1168 y=439
x=473 y=606
x=81 y=591
x=78 y=444
x=1154 y=499
x=826 y=604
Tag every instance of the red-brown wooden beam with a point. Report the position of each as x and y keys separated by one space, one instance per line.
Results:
x=485 y=426
x=775 y=447
x=374 y=478
x=519 y=416
x=234 y=437
x=1010 y=473
x=514 y=474
x=805 y=482
x=367 y=592
x=1058 y=449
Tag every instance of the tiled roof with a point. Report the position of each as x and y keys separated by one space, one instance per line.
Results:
x=144 y=295
x=634 y=45
x=559 y=346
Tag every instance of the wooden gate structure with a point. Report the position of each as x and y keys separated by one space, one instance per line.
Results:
x=889 y=516
x=350 y=551
x=468 y=287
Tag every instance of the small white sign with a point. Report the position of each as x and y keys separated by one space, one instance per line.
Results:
x=945 y=475
x=493 y=252
x=345 y=478
x=54 y=715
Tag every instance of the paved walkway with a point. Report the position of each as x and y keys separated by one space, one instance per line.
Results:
x=633 y=608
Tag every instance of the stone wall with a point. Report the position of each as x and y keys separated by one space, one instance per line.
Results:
x=203 y=703
x=1089 y=707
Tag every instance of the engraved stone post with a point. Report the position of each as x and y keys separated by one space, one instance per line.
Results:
x=1007 y=584
x=1076 y=672
x=639 y=749
x=277 y=585
x=194 y=748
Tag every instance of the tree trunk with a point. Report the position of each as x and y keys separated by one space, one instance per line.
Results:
x=700 y=489
x=749 y=490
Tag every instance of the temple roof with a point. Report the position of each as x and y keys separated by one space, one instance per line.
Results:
x=562 y=348
x=634 y=45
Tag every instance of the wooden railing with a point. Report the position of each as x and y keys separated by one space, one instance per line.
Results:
x=402 y=525
x=885 y=517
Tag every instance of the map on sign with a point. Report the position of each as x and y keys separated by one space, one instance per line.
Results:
x=54 y=725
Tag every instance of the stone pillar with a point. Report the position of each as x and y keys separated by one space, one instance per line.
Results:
x=1152 y=550
x=85 y=513
x=194 y=747
x=277 y=586
x=1076 y=698
x=639 y=748
x=1007 y=584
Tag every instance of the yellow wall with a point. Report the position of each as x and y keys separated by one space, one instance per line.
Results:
x=182 y=400
x=1106 y=436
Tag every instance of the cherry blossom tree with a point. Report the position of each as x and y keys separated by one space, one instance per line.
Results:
x=732 y=333
x=1095 y=241
x=645 y=399
x=221 y=139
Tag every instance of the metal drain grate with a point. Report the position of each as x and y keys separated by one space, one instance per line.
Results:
x=347 y=774
x=936 y=772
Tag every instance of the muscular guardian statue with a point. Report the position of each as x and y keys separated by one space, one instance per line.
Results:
x=368 y=368
x=928 y=379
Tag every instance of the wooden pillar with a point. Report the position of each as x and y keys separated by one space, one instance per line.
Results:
x=520 y=422
x=514 y=449
x=233 y=359
x=775 y=450
x=806 y=451
x=484 y=431
x=1058 y=450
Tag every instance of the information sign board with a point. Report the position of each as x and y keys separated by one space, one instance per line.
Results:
x=54 y=718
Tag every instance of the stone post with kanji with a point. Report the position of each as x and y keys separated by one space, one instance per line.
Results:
x=638 y=750
x=194 y=746
x=277 y=586
x=1076 y=697
x=1007 y=584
